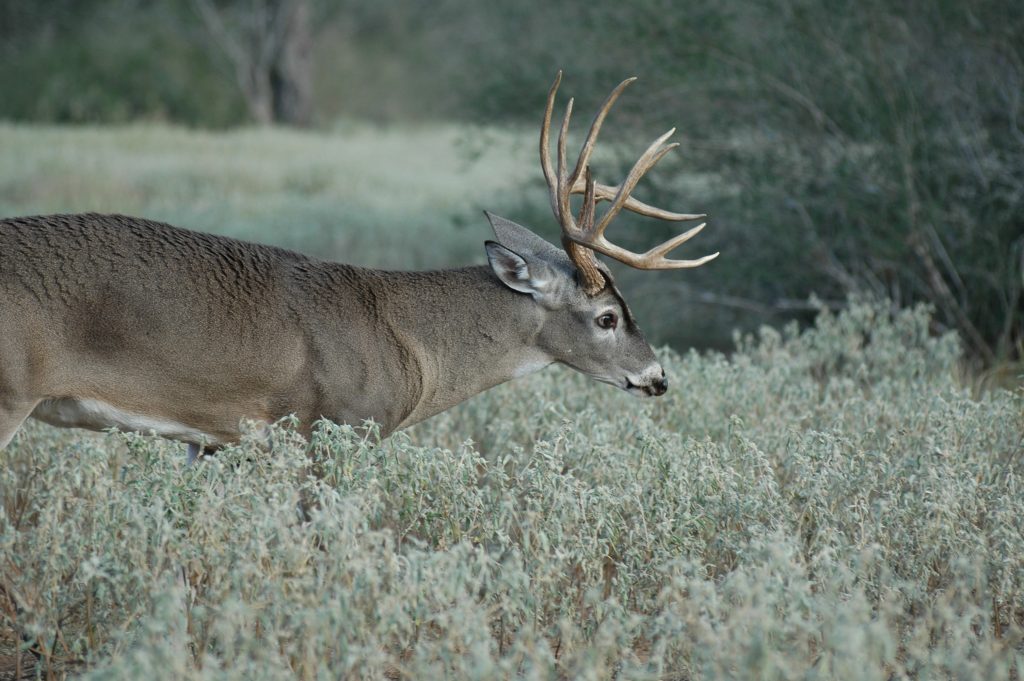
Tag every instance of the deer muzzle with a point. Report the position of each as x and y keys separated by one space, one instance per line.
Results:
x=652 y=382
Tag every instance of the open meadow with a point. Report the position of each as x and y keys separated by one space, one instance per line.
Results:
x=837 y=502
x=379 y=197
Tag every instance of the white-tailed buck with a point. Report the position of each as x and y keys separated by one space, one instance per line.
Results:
x=112 y=321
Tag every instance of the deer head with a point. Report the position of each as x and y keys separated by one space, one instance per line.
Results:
x=587 y=324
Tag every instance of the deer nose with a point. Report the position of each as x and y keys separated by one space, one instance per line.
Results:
x=659 y=386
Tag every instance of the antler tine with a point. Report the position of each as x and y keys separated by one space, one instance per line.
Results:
x=595 y=128
x=604 y=192
x=559 y=190
x=564 y=209
x=653 y=259
x=647 y=160
x=545 y=148
x=657 y=254
x=589 y=203
x=678 y=240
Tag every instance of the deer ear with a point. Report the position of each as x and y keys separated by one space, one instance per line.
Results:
x=522 y=240
x=516 y=272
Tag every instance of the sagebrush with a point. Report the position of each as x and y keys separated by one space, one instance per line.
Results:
x=821 y=505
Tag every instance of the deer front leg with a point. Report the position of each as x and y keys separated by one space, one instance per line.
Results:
x=195 y=451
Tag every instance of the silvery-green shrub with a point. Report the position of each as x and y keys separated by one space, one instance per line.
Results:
x=825 y=504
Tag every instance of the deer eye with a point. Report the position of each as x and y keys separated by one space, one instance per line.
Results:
x=608 y=320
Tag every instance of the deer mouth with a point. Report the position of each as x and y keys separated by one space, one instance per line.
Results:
x=655 y=389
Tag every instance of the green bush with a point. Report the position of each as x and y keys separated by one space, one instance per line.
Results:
x=110 y=61
x=828 y=505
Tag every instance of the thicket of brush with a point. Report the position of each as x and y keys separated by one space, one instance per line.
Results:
x=830 y=504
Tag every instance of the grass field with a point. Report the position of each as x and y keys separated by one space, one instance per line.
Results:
x=831 y=504
x=379 y=197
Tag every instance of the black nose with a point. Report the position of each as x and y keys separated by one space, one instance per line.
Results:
x=659 y=387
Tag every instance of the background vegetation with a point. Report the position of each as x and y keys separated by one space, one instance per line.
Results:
x=838 y=146
x=838 y=503
x=825 y=505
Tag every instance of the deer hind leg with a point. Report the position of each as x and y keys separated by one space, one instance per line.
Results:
x=13 y=413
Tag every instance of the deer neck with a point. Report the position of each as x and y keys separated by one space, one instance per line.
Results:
x=466 y=331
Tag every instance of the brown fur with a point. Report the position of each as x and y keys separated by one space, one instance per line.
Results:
x=205 y=331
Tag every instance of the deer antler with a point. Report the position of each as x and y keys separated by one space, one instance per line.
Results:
x=581 y=239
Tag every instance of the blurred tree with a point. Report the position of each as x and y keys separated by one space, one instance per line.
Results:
x=269 y=44
x=109 y=61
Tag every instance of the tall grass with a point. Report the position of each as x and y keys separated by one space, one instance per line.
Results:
x=824 y=505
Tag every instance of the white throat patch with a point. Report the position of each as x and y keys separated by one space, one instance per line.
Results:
x=531 y=366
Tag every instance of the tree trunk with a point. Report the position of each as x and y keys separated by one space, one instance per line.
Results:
x=291 y=74
x=258 y=92
x=270 y=45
